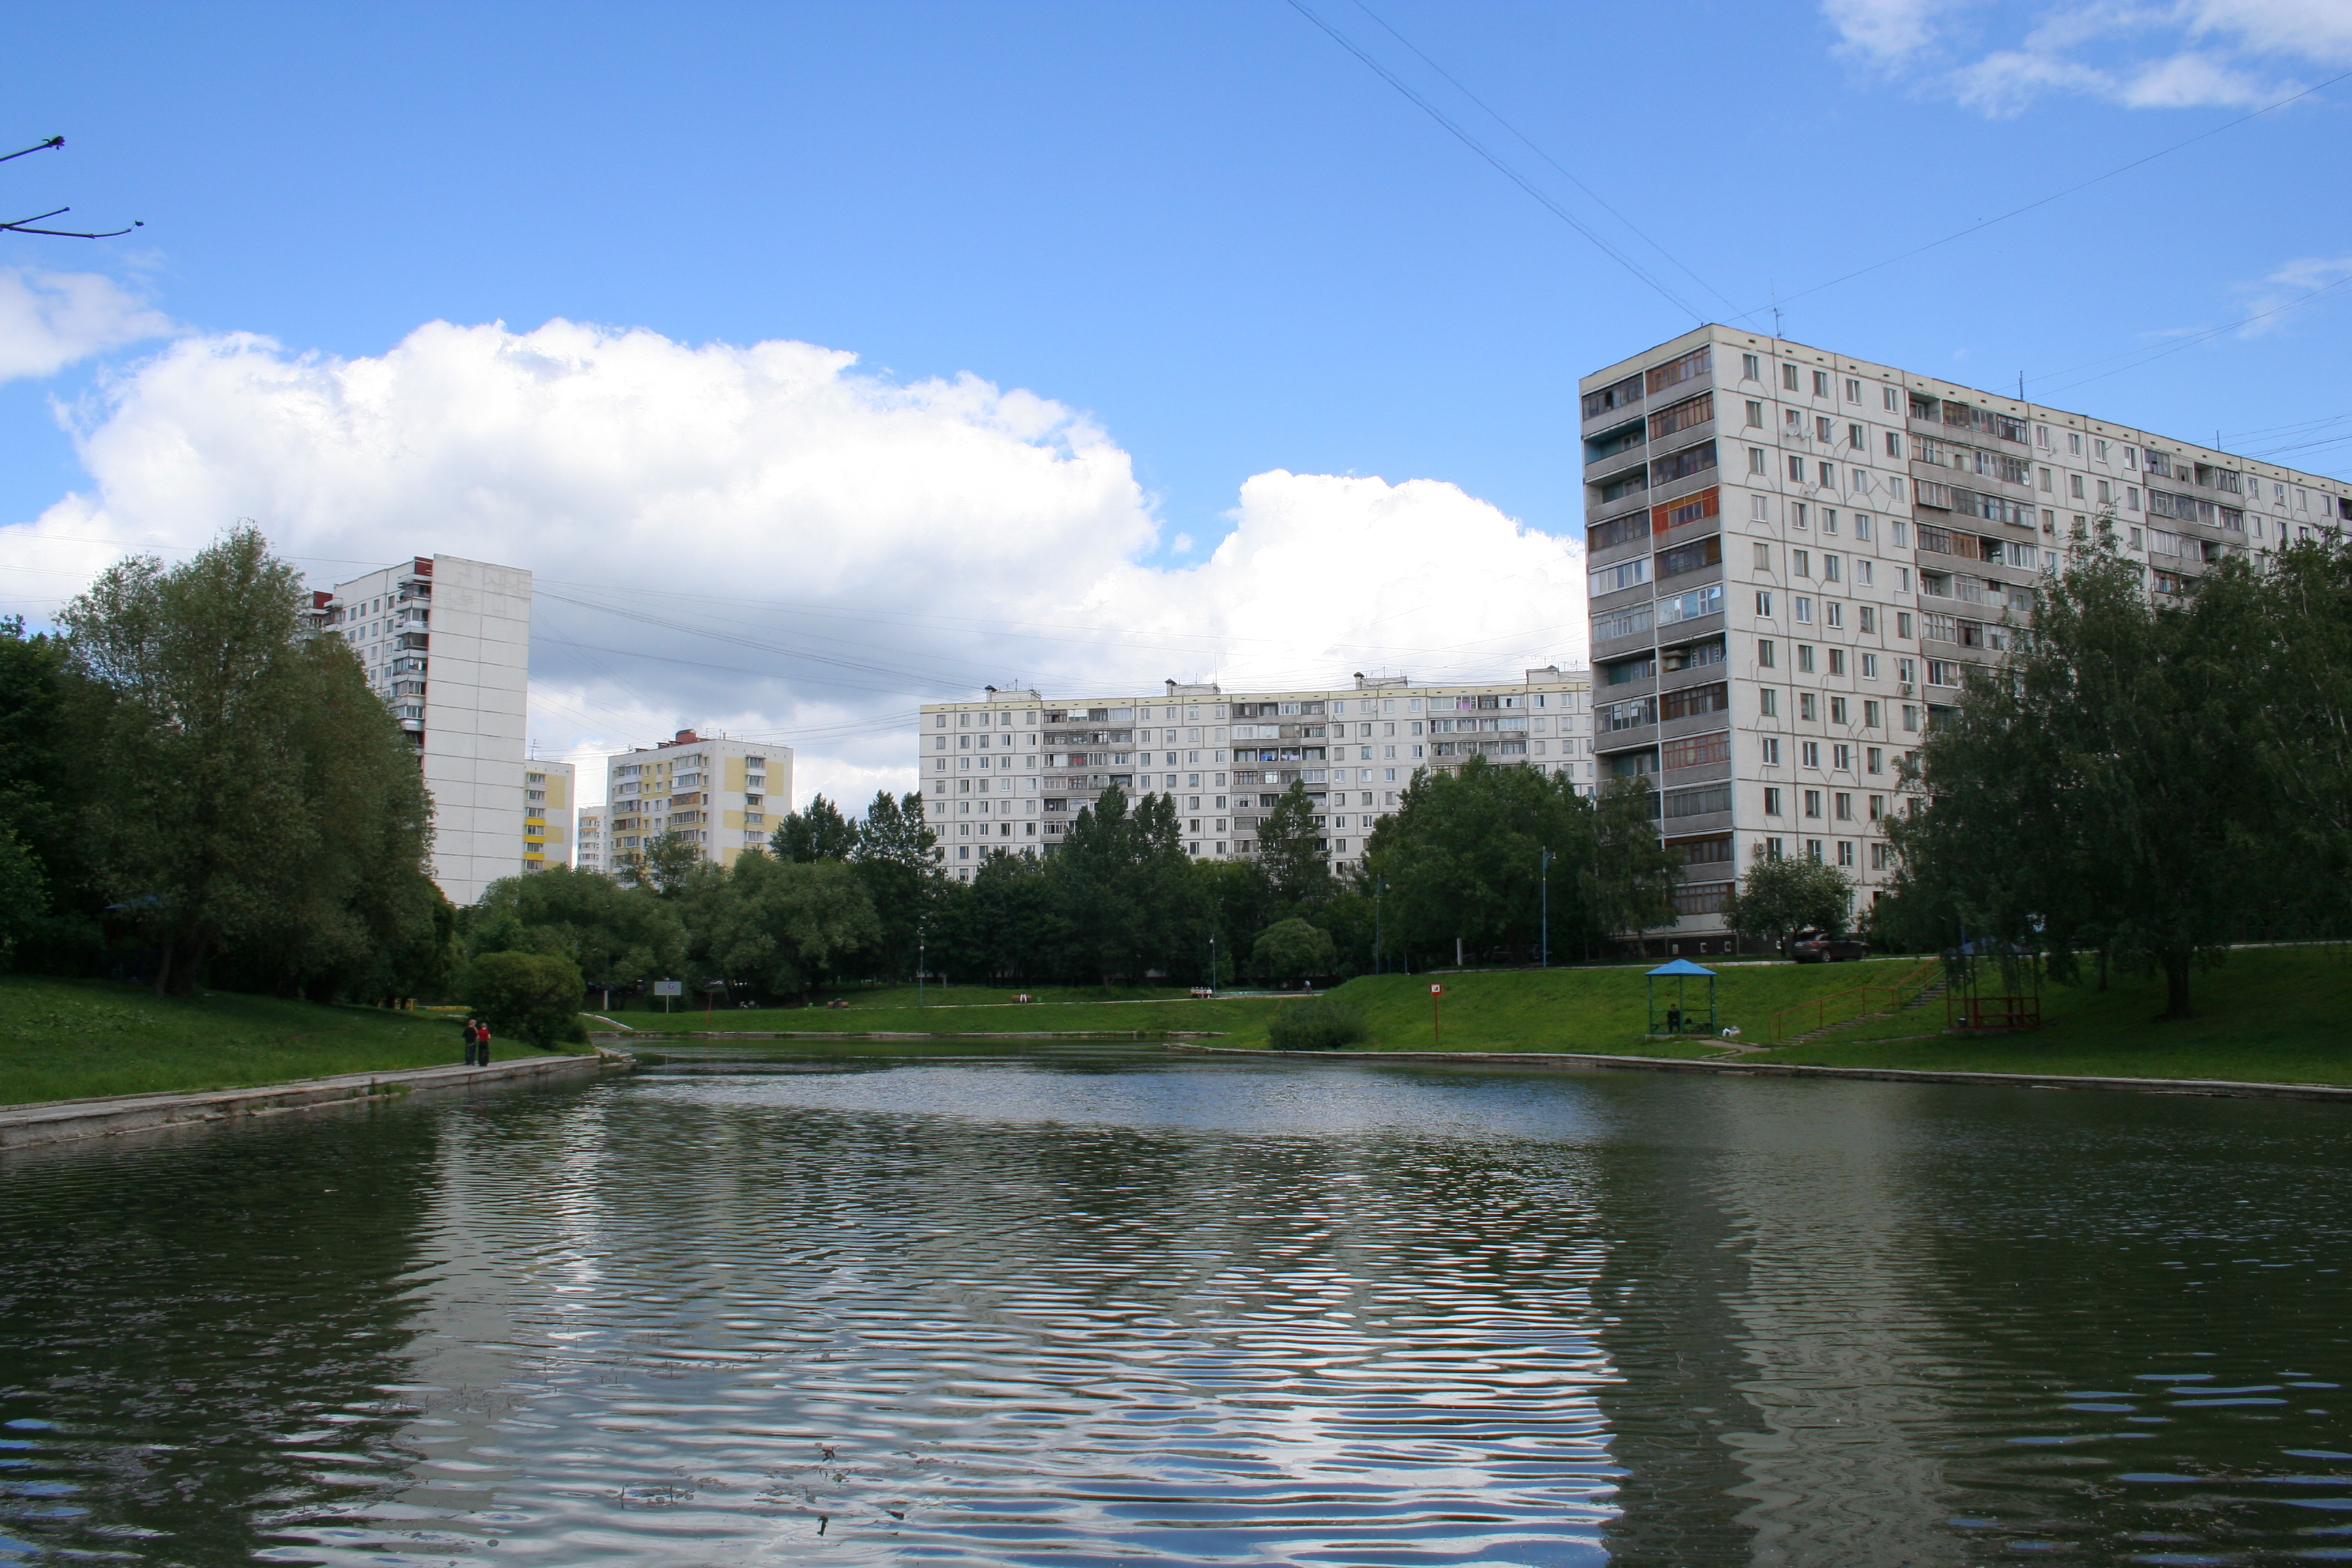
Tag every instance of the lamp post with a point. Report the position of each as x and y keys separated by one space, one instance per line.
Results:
x=920 y=940
x=1212 y=962
x=1543 y=874
x=1378 y=886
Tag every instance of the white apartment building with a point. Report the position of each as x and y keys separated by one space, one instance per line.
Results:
x=548 y=800
x=446 y=643
x=721 y=797
x=1795 y=555
x=588 y=843
x=1011 y=773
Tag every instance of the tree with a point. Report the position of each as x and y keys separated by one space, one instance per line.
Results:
x=1780 y=895
x=819 y=833
x=1292 y=950
x=531 y=996
x=1629 y=883
x=45 y=904
x=664 y=865
x=618 y=934
x=779 y=924
x=1292 y=850
x=1461 y=856
x=248 y=792
x=2104 y=789
x=1124 y=890
x=898 y=858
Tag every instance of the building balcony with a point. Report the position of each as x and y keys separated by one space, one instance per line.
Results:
x=410 y=642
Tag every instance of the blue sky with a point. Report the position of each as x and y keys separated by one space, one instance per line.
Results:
x=1206 y=232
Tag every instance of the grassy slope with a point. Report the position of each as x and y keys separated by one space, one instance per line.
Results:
x=1582 y=1009
x=2267 y=1015
x=980 y=1013
x=2271 y=1014
x=72 y=1039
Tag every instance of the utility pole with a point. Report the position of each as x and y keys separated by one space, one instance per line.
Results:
x=1543 y=874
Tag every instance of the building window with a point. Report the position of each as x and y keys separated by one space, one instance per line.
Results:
x=1813 y=803
x=1772 y=805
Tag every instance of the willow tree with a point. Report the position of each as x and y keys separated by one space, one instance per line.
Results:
x=247 y=792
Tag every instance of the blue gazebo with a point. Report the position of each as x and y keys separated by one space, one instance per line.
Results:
x=1678 y=1018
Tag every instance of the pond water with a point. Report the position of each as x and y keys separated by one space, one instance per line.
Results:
x=1103 y=1306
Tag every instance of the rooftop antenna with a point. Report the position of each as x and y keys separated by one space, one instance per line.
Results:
x=1776 y=309
x=25 y=225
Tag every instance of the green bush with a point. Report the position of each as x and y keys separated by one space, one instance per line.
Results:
x=528 y=995
x=1325 y=1024
x=1293 y=949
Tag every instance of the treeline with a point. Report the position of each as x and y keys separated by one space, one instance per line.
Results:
x=2146 y=781
x=1492 y=858
x=189 y=783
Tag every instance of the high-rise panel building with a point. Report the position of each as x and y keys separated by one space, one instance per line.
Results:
x=1011 y=773
x=1795 y=556
x=719 y=796
x=588 y=842
x=548 y=803
x=446 y=643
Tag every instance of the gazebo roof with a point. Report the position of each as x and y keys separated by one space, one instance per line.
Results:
x=1683 y=966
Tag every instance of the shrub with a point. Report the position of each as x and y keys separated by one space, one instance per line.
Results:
x=1325 y=1024
x=529 y=995
x=1293 y=949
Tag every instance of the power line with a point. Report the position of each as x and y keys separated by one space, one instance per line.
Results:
x=1565 y=174
x=1459 y=134
x=2139 y=357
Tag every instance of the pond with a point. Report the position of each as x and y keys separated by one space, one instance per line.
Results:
x=1102 y=1305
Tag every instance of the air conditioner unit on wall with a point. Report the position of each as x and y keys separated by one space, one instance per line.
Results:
x=1904 y=689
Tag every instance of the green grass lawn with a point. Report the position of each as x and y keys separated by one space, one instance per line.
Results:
x=2269 y=1015
x=1581 y=1009
x=977 y=1012
x=74 y=1039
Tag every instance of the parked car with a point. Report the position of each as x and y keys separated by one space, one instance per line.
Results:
x=1814 y=946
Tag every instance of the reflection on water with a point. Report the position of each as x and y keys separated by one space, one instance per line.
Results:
x=1103 y=1306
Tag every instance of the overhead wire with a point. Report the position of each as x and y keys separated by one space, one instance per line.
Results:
x=1509 y=173
x=1496 y=115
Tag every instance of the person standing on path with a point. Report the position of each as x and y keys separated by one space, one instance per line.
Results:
x=482 y=1043
x=473 y=1039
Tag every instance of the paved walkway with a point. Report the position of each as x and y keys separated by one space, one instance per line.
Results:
x=66 y=1120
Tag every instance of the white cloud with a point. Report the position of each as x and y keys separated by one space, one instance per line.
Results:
x=49 y=319
x=2178 y=55
x=857 y=545
x=2270 y=303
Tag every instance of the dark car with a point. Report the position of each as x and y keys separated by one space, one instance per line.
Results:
x=1820 y=947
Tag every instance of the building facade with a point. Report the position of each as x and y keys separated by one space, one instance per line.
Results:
x=1011 y=773
x=588 y=840
x=549 y=801
x=446 y=643
x=720 y=796
x=1795 y=555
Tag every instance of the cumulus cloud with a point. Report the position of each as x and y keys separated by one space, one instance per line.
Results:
x=49 y=319
x=771 y=541
x=2181 y=55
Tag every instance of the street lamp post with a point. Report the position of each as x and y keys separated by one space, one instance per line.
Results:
x=919 y=968
x=1543 y=874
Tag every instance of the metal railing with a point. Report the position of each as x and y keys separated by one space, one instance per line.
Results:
x=1858 y=1002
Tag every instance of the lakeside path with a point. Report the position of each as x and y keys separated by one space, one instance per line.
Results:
x=1583 y=1062
x=72 y=1121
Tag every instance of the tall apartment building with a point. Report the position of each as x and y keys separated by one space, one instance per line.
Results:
x=588 y=843
x=721 y=797
x=446 y=643
x=549 y=799
x=1795 y=555
x=1011 y=773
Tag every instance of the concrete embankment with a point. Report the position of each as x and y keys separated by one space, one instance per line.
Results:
x=1568 y=1061
x=66 y=1120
